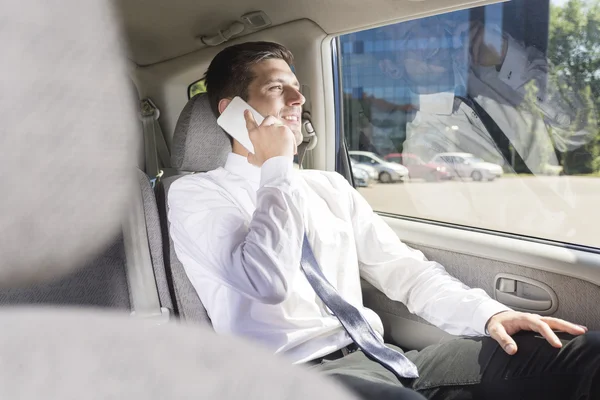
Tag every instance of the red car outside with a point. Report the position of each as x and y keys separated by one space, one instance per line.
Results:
x=418 y=169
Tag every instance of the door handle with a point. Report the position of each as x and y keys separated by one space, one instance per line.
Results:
x=515 y=301
x=525 y=294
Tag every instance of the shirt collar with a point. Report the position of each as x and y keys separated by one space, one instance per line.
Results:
x=434 y=103
x=240 y=166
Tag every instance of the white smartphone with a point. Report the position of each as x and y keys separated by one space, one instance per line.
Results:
x=233 y=122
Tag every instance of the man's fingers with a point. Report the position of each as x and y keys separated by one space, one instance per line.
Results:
x=250 y=121
x=271 y=120
x=564 y=326
x=542 y=328
x=498 y=333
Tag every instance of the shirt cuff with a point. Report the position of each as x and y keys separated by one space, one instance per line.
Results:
x=274 y=169
x=484 y=312
x=514 y=65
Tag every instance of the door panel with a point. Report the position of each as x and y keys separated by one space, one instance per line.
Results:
x=476 y=259
x=401 y=326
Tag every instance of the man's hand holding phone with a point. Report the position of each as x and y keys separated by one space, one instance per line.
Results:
x=270 y=139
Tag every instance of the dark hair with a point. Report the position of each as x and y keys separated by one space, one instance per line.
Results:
x=230 y=72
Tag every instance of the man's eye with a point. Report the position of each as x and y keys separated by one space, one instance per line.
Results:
x=275 y=87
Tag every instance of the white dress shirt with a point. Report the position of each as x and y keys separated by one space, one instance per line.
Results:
x=238 y=231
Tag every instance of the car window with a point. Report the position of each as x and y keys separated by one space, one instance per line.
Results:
x=474 y=159
x=514 y=85
x=377 y=160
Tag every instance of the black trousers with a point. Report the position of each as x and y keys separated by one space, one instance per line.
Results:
x=477 y=368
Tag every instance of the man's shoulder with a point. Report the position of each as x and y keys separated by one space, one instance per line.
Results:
x=319 y=177
x=196 y=187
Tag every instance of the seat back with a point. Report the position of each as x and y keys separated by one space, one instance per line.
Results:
x=103 y=281
x=155 y=241
x=199 y=145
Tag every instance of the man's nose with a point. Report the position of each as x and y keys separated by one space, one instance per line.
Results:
x=294 y=98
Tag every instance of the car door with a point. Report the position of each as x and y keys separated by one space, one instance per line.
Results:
x=529 y=241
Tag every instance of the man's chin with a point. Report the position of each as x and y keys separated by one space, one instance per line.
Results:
x=298 y=137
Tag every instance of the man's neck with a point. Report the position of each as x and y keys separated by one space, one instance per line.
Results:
x=238 y=149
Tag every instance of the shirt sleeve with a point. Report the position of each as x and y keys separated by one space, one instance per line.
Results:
x=258 y=259
x=404 y=274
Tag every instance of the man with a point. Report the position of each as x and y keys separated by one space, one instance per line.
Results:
x=240 y=233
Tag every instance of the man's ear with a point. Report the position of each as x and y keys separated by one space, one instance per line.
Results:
x=223 y=105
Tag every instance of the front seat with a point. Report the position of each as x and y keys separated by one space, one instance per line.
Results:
x=199 y=145
x=103 y=280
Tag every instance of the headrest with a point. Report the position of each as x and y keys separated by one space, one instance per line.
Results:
x=67 y=142
x=199 y=144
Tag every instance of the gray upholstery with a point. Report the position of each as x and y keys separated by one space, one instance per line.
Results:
x=102 y=282
x=67 y=136
x=189 y=306
x=199 y=144
x=67 y=354
x=155 y=240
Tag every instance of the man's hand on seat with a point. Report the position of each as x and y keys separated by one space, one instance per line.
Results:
x=270 y=139
x=501 y=326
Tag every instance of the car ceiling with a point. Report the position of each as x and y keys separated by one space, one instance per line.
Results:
x=158 y=30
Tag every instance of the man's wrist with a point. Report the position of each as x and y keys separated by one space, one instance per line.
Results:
x=276 y=168
x=487 y=324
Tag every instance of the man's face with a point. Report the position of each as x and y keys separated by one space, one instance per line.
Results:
x=275 y=91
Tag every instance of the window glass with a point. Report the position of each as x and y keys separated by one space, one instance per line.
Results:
x=396 y=159
x=196 y=88
x=501 y=105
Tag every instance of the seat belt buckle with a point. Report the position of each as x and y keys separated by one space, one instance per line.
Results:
x=157 y=319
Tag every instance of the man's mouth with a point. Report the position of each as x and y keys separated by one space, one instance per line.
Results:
x=291 y=118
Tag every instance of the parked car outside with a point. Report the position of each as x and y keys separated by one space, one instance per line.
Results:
x=371 y=172
x=361 y=177
x=387 y=171
x=466 y=165
x=419 y=169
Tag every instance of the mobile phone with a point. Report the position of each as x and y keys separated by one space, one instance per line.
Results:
x=233 y=122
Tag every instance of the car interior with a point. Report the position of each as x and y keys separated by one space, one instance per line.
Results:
x=530 y=244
